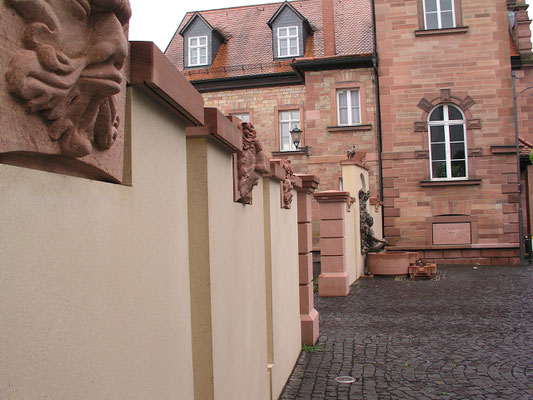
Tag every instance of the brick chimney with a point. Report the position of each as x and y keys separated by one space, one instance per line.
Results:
x=521 y=30
x=328 y=27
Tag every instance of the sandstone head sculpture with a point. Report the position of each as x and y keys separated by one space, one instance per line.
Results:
x=287 y=185
x=251 y=163
x=69 y=69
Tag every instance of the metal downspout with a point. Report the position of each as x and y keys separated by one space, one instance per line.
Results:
x=378 y=109
x=517 y=143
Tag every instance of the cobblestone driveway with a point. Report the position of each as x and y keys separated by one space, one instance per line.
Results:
x=467 y=334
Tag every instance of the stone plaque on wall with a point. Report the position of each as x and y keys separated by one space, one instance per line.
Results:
x=452 y=233
x=62 y=87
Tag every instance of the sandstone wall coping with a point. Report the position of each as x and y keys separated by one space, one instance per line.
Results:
x=333 y=196
x=358 y=158
x=154 y=74
x=220 y=128
x=309 y=182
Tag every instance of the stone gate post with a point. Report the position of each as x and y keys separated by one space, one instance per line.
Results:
x=333 y=279
x=308 y=313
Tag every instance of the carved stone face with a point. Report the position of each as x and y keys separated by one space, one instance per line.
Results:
x=251 y=163
x=70 y=69
x=287 y=185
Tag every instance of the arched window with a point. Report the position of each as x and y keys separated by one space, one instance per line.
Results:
x=447 y=143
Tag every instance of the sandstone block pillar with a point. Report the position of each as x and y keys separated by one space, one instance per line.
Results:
x=333 y=279
x=308 y=313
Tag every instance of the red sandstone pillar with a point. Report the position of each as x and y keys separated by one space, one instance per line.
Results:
x=521 y=30
x=308 y=313
x=333 y=279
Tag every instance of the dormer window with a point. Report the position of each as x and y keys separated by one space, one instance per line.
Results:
x=290 y=30
x=201 y=42
x=197 y=51
x=288 y=45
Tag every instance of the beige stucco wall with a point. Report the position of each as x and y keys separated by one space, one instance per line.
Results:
x=377 y=214
x=286 y=332
x=94 y=278
x=349 y=234
x=355 y=178
x=238 y=298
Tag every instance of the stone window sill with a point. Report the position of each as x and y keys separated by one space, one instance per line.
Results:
x=345 y=128
x=464 y=182
x=447 y=31
x=288 y=153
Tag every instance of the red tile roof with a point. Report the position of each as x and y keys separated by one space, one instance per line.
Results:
x=248 y=50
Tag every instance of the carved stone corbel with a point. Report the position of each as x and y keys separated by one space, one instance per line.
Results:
x=68 y=73
x=252 y=163
x=287 y=184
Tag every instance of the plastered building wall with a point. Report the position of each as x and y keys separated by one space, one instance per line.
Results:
x=283 y=249
x=237 y=286
x=244 y=270
x=351 y=238
x=355 y=178
x=94 y=277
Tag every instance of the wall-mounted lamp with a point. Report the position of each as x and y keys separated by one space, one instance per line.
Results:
x=296 y=137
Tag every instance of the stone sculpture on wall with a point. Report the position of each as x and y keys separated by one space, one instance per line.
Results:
x=369 y=242
x=68 y=73
x=251 y=163
x=287 y=184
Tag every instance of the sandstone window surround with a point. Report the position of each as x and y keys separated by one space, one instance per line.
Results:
x=288 y=119
x=438 y=17
x=431 y=151
x=197 y=51
x=288 y=42
x=348 y=107
x=447 y=143
x=355 y=110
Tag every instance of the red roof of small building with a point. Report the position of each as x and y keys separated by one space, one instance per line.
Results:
x=248 y=49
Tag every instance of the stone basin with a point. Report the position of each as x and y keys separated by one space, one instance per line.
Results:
x=391 y=262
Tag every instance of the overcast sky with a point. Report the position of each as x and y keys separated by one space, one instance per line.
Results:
x=157 y=20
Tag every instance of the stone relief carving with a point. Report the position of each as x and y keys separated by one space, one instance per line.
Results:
x=287 y=185
x=251 y=163
x=369 y=242
x=69 y=70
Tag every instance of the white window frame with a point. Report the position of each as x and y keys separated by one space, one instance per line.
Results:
x=288 y=38
x=243 y=116
x=292 y=123
x=447 y=143
x=439 y=15
x=349 y=106
x=198 y=47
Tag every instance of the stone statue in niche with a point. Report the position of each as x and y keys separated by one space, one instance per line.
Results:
x=70 y=69
x=287 y=184
x=251 y=163
x=369 y=242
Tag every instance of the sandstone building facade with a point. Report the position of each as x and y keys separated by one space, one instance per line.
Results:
x=423 y=87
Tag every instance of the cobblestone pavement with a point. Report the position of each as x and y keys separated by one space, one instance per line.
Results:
x=466 y=334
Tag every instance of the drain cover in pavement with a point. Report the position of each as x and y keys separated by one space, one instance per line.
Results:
x=345 y=379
